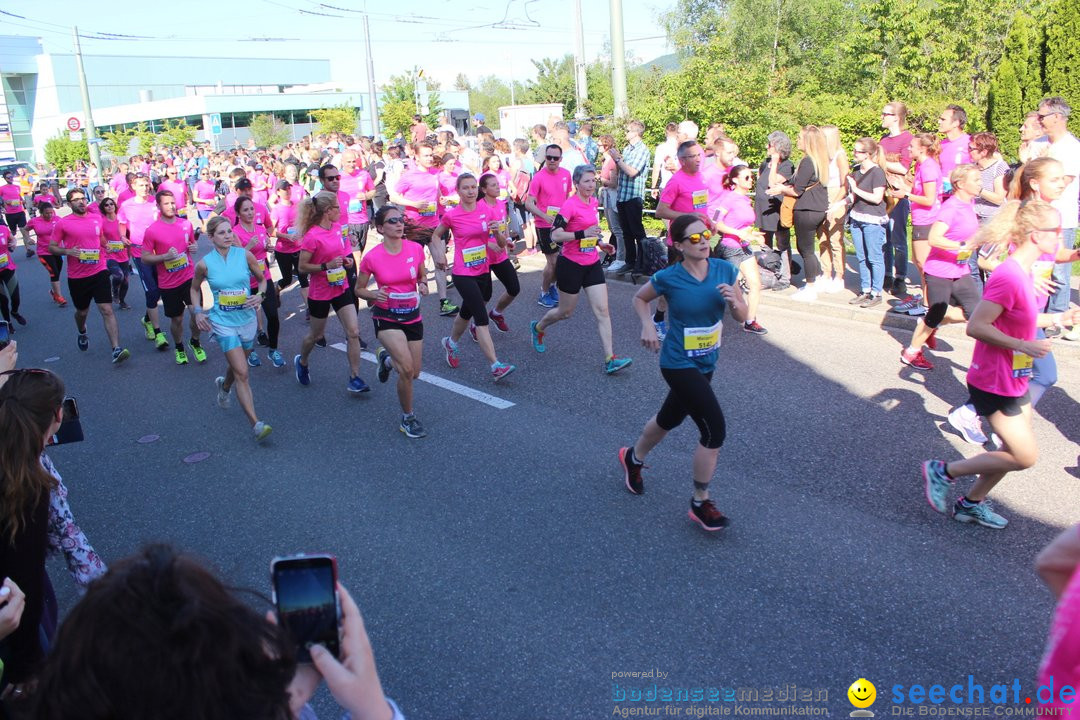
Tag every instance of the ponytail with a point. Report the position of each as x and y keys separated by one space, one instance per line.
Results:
x=312 y=210
x=931 y=143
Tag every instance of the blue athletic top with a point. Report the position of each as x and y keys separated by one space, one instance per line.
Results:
x=695 y=314
x=230 y=282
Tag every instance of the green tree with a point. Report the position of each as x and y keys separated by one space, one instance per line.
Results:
x=1062 y=52
x=177 y=133
x=554 y=83
x=461 y=83
x=397 y=117
x=144 y=139
x=63 y=153
x=1023 y=47
x=118 y=142
x=1005 y=108
x=401 y=90
x=268 y=131
x=338 y=119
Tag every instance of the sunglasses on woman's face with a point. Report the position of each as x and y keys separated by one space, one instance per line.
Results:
x=396 y=220
x=698 y=238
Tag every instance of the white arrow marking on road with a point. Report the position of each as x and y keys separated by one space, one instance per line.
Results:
x=496 y=402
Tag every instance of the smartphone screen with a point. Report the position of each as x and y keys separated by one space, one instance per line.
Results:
x=304 y=592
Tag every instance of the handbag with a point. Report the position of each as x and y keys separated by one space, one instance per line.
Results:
x=787 y=208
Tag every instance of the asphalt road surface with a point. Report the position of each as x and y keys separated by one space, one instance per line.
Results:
x=502 y=568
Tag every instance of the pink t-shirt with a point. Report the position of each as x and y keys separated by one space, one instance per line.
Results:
x=284 y=217
x=686 y=193
x=205 y=197
x=580 y=215
x=397 y=275
x=43 y=229
x=954 y=153
x=119 y=183
x=926 y=171
x=550 y=190
x=448 y=190
x=12 y=198
x=125 y=195
x=962 y=224
x=259 y=184
x=421 y=186
x=996 y=369
x=325 y=246
x=254 y=241
x=7 y=262
x=179 y=191
x=352 y=186
x=497 y=215
x=82 y=233
x=736 y=211
x=114 y=242
x=713 y=177
x=471 y=237
x=137 y=217
x=1061 y=662
x=164 y=235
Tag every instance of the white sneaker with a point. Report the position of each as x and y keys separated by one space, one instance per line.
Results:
x=223 y=399
x=825 y=284
x=261 y=431
x=967 y=423
x=616 y=266
x=808 y=293
x=838 y=285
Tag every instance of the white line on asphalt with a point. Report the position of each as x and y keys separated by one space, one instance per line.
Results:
x=496 y=402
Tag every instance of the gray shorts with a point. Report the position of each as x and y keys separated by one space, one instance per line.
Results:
x=735 y=256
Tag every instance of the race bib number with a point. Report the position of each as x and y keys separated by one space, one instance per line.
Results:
x=114 y=246
x=474 y=256
x=587 y=244
x=14 y=205
x=89 y=257
x=354 y=205
x=5 y=260
x=403 y=303
x=700 y=198
x=427 y=210
x=963 y=256
x=230 y=300
x=336 y=276
x=699 y=341
x=1021 y=364
x=176 y=264
x=552 y=211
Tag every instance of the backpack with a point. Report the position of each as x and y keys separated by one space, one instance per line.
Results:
x=519 y=186
x=654 y=255
x=769 y=263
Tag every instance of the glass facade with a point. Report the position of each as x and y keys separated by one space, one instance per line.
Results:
x=19 y=92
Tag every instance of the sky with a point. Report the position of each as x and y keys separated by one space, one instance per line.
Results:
x=444 y=37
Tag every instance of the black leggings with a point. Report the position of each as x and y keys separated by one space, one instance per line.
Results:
x=119 y=272
x=289 y=263
x=270 y=305
x=507 y=276
x=691 y=394
x=807 y=223
x=475 y=291
x=9 y=293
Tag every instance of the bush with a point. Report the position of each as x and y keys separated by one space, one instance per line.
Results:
x=338 y=119
x=63 y=153
x=268 y=131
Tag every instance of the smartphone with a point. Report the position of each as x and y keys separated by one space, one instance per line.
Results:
x=5 y=334
x=70 y=430
x=305 y=593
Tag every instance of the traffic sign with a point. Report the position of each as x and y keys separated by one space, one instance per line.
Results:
x=74 y=124
x=215 y=123
x=75 y=136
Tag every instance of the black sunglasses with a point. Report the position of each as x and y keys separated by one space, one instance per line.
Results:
x=396 y=220
x=554 y=158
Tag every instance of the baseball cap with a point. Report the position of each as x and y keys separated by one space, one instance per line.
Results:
x=479 y=116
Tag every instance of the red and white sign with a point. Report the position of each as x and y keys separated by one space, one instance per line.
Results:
x=74 y=124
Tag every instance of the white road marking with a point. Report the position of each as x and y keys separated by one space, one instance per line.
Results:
x=488 y=399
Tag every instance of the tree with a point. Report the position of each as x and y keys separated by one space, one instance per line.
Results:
x=338 y=119
x=1023 y=48
x=177 y=133
x=1062 y=51
x=118 y=142
x=144 y=139
x=63 y=153
x=268 y=131
x=397 y=117
x=554 y=83
x=1005 y=108
x=461 y=83
x=401 y=90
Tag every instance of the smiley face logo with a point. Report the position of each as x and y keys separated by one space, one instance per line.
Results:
x=862 y=693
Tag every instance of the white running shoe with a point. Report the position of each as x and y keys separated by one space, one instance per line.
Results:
x=223 y=399
x=964 y=420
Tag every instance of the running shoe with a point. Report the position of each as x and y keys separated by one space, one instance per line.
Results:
x=617 y=266
x=661 y=329
x=383 y=359
x=119 y=355
x=148 y=327
x=363 y=345
x=907 y=304
x=631 y=472
x=181 y=357
x=447 y=308
x=472 y=332
x=981 y=513
x=263 y=339
x=303 y=376
x=1073 y=335
x=553 y=293
x=615 y=363
x=872 y=301
x=261 y=431
x=452 y=358
x=357 y=385
x=276 y=358
x=937 y=483
x=707 y=516
x=501 y=370
x=83 y=341
x=199 y=353
x=754 y=327
x=124 y=305
x=917 y=311
x=29 y=253
x=860 y=298
x=499 y=320
x=967 y=423
x=58 y=299
x=321 y=342
x=537 y=338
x=412 y=427
x=18 y=318
x=931 y=342
x=223 y=399
x=545 y=301
x=160 y=342
x=916 y=360
x=253 y=359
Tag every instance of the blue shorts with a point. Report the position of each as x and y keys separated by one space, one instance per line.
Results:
x=230 y=337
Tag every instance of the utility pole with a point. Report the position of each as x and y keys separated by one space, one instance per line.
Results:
x=91 y=131
x=373 y=99
x=581 y=86
x=618 y=60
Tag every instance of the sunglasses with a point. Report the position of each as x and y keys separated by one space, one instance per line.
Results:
x=554 y=158
x=332 y=178
x=697 y=238
x=1043 y=116
x=396 y=220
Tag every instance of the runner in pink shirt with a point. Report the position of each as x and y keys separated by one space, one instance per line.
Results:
x=548 y=190
x=499 y=260
x=136 y=215
x=397 y=267
x=178 y=188
x=79 y=236
x=1004 y=327
x=954 y=146
x=116 y=252
x=14 y=210
x=262 y=213
x=576 y=229
x=925 y=201
x=204 y=195
x=10 y=297
x=43 y=226
x=735 y=218
x=252 y=237
x=476 y=228
x=358 y=188
x=325 y=257
x=170 y=245
x=494 y=166
x=285 y=215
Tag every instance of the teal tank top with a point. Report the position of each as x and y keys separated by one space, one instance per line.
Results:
x=230 y=282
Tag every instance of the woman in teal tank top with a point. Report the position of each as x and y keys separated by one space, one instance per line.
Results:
x=228 y=270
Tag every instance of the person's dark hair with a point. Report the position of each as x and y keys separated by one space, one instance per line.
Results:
x=240 y=203
x=677 y=231
x=986 y=143
x=323 y=169
x=43 y=206
x=107 y=200
x=244 y=184
x=684 y=147
x=485 y=179
x=160 y=636
x=162 y=194
x=732 y=173
x=73 y=192
x=958 y=114
x=381 y=213
x=553 y=146
x=28 y=403
x=463 y=177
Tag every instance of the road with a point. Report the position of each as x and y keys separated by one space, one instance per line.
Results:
x=502 y=568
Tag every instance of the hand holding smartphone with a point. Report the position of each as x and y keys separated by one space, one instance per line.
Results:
x=304 y=589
